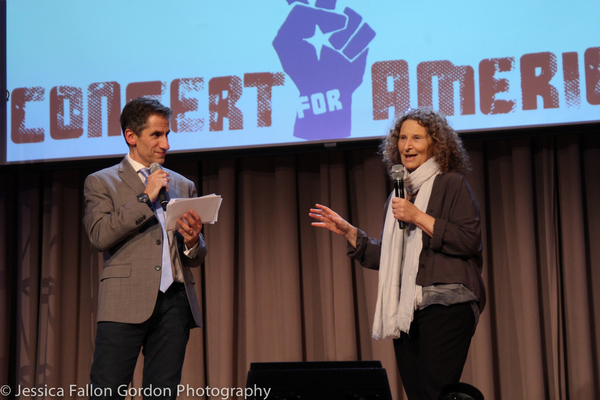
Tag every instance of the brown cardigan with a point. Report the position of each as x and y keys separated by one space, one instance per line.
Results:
x=454 y=253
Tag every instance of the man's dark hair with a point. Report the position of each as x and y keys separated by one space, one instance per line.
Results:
x=136 y=113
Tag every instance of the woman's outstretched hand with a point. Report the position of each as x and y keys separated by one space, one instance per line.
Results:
x=329 y=219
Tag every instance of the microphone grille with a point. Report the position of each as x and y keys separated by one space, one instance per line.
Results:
x=398 y=172
x=154 y=167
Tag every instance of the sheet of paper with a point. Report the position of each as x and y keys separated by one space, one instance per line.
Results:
x=207 y=208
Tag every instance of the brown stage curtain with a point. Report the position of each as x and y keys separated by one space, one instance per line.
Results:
x=274 y=288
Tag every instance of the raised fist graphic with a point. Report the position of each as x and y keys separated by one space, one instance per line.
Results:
x=325 y=54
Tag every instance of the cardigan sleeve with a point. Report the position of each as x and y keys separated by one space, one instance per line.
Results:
x=367 y=252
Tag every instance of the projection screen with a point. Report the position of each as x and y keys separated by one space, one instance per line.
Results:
x=281 y=72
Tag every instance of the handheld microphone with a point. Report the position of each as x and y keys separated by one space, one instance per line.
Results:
x=163 y=196
x=398 y=177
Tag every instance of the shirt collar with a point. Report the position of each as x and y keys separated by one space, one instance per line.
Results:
x=136 y=165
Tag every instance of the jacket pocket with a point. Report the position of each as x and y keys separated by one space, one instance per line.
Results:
x=116 y=271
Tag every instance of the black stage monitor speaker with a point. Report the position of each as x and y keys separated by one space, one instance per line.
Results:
x=322 y=380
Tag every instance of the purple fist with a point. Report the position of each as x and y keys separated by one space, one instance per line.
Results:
x=325 y=54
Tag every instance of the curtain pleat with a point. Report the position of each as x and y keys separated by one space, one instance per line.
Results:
x=27 y=296
x=550 y=294
x=590 y=150
x=574 y=271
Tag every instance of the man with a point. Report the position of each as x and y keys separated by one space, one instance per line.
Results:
x=147 y=299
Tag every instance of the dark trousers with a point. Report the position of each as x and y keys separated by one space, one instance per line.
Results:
x=162 y=339
x=435 y=351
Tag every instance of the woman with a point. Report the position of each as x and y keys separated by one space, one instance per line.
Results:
x=430 y=290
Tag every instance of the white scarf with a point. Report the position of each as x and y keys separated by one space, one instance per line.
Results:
x=397 y=294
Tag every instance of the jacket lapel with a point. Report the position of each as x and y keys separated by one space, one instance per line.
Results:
x=130 y=177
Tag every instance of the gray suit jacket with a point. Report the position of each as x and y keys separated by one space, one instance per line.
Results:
x=130 y=236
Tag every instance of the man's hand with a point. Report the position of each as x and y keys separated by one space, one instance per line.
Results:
x=190 y=226
x=156 y=181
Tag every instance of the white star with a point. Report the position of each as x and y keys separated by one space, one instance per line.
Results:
x=318 y=40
